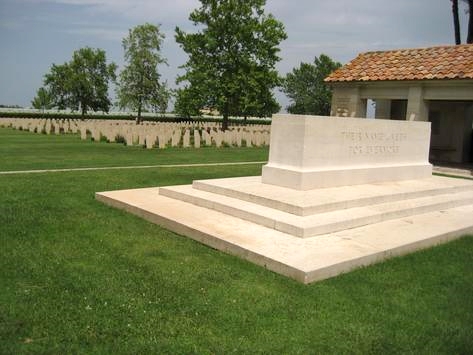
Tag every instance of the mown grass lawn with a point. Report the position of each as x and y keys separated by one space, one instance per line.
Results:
x=77 y=276
x=21 y=150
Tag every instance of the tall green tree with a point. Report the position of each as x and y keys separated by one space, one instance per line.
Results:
x=232 y=58
x=160 y=100
x=306 y=88
x=188 y=102
x=58 y=83
x=139 y=87
x=82 y=83
x=42 y=100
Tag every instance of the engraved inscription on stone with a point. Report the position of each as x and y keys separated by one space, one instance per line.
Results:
x=373 y=143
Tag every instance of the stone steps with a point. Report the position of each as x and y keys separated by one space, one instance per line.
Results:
x=327 y=221
x=305 y=203
x=303 y=259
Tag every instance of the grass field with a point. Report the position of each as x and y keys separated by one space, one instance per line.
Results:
x=23 y=150
x=79 y=277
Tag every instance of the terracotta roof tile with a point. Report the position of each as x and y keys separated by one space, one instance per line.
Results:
x=444 y=62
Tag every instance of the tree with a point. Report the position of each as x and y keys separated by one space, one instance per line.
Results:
x=160 y=100
x=469 y=37
x=82 y=83
x=58 y=84
x=188 y=102
x=456 y=22
x=139 y=87
x=306 y=88
x=232 y=58
x=42 y=100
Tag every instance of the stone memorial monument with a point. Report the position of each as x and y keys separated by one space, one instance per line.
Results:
x=314 y=152
x=336 y=194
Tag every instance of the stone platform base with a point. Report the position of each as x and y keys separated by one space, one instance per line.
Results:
x=308 y=235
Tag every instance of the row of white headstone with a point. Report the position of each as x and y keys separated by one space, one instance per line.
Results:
x=41 y=125
x=149 y=134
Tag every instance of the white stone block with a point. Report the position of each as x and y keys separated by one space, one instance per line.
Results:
x=308 y=152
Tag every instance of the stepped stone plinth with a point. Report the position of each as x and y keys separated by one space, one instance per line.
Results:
x=337 y=193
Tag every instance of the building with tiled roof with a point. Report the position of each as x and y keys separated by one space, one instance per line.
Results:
x=434 y=63
x=423 y=84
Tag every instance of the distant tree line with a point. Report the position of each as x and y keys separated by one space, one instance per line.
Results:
x=10 y=106
x=230 y=69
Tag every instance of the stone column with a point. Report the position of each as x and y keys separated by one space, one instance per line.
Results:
x=417 y=107
x=347 y=102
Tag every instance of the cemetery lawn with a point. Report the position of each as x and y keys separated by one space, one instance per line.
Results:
x=77 y=276
x=22 y=150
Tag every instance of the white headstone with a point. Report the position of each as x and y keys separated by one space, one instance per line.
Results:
x=196 y=139
x=238 y=138
x=186 y=139
x=96 y=133
x=176 y=137
x=47 y=127
x=141 y=137
x=57 y=127
x=218 y=137
x=83 y=133
x=150 y=141
x=129 y=138
x=207 y=137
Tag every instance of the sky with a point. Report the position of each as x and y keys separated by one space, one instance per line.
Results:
x=34 y=34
